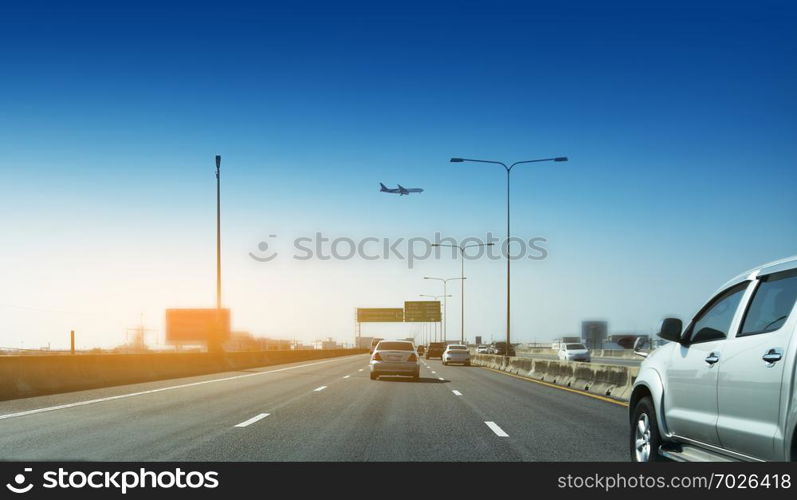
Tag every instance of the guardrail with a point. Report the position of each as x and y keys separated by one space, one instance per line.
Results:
x=26 y=376
x=614 y=381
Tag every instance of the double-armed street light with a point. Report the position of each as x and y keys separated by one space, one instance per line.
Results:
x=508 y=169
x=462 y=274
x=436 y=298
x=445 y=301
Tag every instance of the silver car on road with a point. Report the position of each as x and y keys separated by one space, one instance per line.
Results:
x=456 y=353
x=394 y=357
x=724 y=388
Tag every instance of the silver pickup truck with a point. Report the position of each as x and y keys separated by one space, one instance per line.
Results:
x=723 y=388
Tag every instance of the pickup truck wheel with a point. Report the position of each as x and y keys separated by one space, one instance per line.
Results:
x=644 y=439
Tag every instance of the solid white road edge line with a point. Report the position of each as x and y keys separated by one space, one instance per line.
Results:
x=153 y=391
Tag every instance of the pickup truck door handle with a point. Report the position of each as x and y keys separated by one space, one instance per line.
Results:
x=712 y=358
x=772 y=356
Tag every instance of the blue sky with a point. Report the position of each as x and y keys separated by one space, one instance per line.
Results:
x=678 y=119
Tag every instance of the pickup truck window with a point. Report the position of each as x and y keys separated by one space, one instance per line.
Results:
x=771 y=304
x=715 y=320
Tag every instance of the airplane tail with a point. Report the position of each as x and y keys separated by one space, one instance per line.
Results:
x=382 y=187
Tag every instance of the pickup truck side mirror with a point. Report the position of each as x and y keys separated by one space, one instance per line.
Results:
x=671 y=329
x=639 y=345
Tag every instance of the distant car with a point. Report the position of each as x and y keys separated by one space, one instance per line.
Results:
x=483 y=349
x=435 y=350
x=394 y=357
x=421 y=349
x=456 y=353
x=574 y=352
x=500 y=349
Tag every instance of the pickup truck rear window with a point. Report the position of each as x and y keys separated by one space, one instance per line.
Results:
x=771 y=304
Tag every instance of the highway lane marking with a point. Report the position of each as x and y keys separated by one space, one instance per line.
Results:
x=319 y=389
x=456 y=393
x=361 y=369
x=161 y=389
x=347 y=376
x=498 y=431
x=252 y=420
x=440 y=378
x=560 y=387
x=434 y=372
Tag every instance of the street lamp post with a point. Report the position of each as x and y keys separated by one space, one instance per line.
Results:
x=218 y=231
x=215 y=343
x=462 y=274
x=445 y=301
x=437 y=298
x=508 y=169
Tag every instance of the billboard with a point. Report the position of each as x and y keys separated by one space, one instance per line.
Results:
x=422 y=311
x=380 y=315
x=197 y=325
x=478 y=339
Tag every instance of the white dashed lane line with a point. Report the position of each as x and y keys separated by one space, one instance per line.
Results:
x=497 y=430
x=252 y=420
x=440 y=378
x=319 y=389
x=347 y=376
x=456 y=393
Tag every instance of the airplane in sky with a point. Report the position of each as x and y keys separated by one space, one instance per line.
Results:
x=400 y=190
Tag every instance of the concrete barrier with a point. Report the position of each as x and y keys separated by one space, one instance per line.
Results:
x=26 y=376
x=613 y=381
x=596 y=353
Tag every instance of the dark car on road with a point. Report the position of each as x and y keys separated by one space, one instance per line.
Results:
x=435 y=350
x=500 y=349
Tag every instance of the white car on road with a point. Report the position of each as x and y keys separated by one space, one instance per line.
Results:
x=456 y=353
x=574 y=352
x=394 y=357
x=725 y=387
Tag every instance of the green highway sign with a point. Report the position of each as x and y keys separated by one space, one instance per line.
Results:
x=422 y=311
x=380 y=315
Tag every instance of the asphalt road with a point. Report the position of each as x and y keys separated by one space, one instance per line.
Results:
x=325 y=410
x=603 y=361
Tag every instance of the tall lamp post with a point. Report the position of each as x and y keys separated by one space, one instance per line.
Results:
x=445 y=301
x=437 y=298
x=218 y=231
x=462 y=274
x=508 y=169
x=216 y=343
